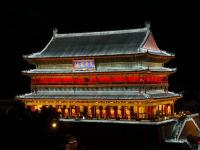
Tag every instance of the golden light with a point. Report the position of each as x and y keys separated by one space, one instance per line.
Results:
x=54 y=125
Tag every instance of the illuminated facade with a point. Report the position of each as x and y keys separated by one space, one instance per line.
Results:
x=105 y=75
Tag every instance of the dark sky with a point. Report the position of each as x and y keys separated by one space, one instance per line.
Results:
x=27 y=27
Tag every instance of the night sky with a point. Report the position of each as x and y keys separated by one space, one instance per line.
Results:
x=27 y=27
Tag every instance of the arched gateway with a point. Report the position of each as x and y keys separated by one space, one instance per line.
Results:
x=105 y=75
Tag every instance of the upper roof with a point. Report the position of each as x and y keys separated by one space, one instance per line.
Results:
x=120 y=42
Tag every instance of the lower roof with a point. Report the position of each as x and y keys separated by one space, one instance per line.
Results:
x=104 y=95
x=135 y=69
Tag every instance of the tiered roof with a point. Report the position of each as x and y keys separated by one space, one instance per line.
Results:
x=107 y=43
x=94 y=44
x=103 y=95
x=98 y=70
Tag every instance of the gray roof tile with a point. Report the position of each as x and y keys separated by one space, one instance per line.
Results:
x=97 y=44
x=117 y=95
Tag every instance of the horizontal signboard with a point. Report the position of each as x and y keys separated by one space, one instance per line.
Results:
x=83 y=65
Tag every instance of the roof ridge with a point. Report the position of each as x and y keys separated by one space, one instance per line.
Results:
x=145 y=39
x=57 y=35
x=52 y=38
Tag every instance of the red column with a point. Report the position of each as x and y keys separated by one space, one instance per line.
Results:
x=115 y=110
x=101 y=113
x=94 y=112
x=172 y=109
x=165 y=109
x=108 y=112
x=149 y=112
x=70 y=111
x=137 y=112
x=123 y=112
x=77 y=110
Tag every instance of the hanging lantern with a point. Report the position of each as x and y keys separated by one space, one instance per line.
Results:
x=59 y=110
x=104 y=111
x=119 y=112
x=89 y=111
x=112 y=112
x=73 y=111
x=66 y=111
x=97 y=111
x=128 y=112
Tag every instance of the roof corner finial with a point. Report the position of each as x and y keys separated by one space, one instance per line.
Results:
x=148 y=24
x=55 y=31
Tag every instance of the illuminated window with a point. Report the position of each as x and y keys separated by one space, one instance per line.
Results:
x=168 y=109
x=141 y=112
